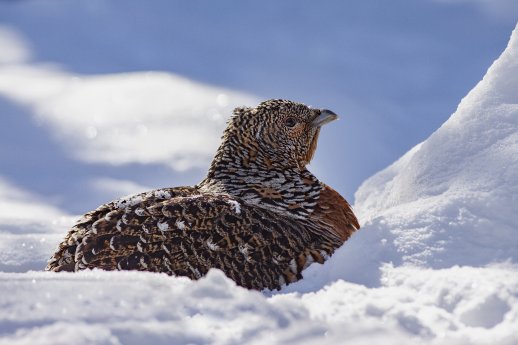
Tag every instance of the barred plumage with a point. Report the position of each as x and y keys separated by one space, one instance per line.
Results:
x=260 y=216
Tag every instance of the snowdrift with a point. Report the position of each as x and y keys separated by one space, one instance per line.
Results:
x=452 y=199
x=455 y=306
x=28 y=229
x=436 y=257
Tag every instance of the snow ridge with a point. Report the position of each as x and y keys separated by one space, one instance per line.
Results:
x=451 y=200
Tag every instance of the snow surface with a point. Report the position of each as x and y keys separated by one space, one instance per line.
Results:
x=453 y=199
x=455 y=306
x=29 y=229
x=436 y=260
x=101 y=118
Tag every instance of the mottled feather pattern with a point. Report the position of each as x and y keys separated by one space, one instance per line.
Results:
x=106 y=216
x=197 y=232
x=260 y=216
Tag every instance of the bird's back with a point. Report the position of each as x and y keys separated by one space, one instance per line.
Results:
x=183 y=232
x=106 y=219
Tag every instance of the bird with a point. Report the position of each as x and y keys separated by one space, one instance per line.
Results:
x=259 y=215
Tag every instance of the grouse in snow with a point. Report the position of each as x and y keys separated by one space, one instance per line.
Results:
x=259 y=215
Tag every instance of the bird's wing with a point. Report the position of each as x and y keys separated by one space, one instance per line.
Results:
x=64 y=258
x=334 y=215
x=188 y=234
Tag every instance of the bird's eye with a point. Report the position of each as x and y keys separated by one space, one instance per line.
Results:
x=290 y=122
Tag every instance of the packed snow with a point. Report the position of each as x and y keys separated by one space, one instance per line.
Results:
x=435 y=262
x=456 y=306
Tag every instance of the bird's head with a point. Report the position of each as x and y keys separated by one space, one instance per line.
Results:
x=263 y=156
x=284 y=132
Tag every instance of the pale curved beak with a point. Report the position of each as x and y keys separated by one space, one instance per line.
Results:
x=324 y=117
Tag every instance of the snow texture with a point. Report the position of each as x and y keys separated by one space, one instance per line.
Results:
x=163 y=226
x=452 y=197
x=451 y=200
x=235 y=206
x=454 y=306
x=182 y=127
x=435 y=262
x=29 y=230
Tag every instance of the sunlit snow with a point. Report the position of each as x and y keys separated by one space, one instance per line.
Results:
x=101 y=118
x=435 y=261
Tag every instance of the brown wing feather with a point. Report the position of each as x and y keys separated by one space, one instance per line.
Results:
x=189 y=233
x=335 y=214
x=106 y=217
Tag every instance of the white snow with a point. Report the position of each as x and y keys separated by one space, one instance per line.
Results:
x=180 y=224
x=235 y=206
x=436 y=261
x=17 y=204
x=455 y=306
x=162 y=194
x=29 y=229
x=163 y=226
x=128 y=201
x=464 y=177
x=451 y=200
x=105 y=119
x=14 y=47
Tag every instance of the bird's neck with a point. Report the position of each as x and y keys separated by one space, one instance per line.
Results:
x=246 y=172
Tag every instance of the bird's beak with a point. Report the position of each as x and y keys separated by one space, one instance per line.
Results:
x=324 y=117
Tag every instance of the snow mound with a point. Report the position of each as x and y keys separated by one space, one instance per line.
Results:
x=452 y=306
x=450 y=200
x=108 y=118
x=29 y=229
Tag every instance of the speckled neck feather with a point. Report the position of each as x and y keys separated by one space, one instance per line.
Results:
x=245 y=167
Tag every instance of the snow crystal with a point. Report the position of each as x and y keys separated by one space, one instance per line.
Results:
x=235 y=206
x=212 y=245
x=163 y=226
x=180 y=224
x=162 y=194
x=128 y=201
